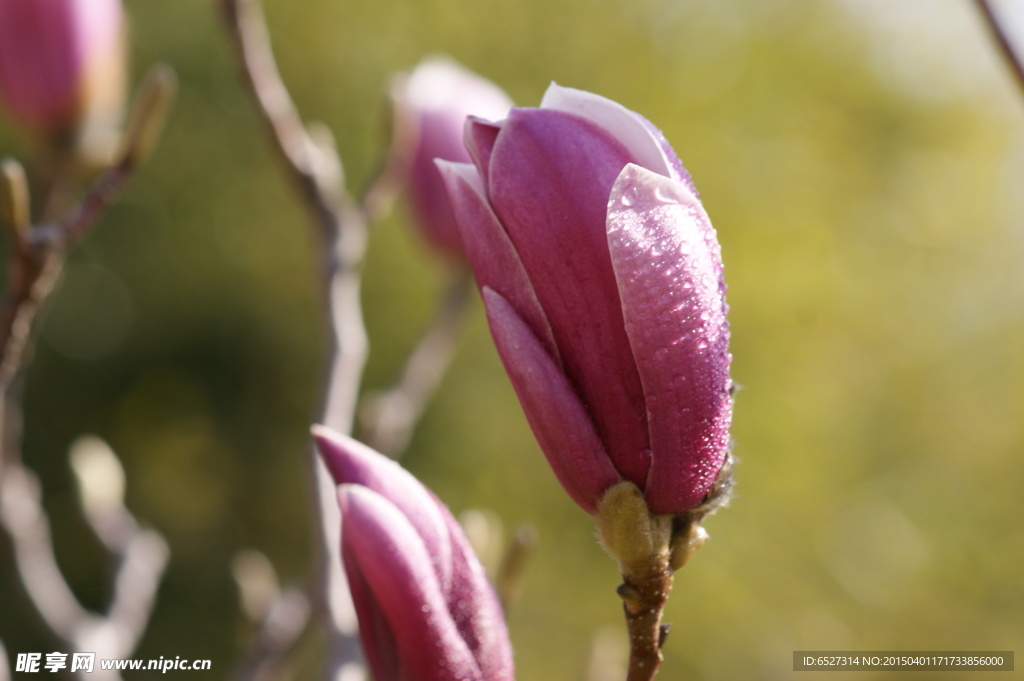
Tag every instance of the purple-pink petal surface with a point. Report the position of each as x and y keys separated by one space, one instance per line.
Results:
x=469 y=601
x=584 y=224
x=559 y=419
x=387 y=554
x=432 y=104
x=49 y=49
x=668 y=266
x=550 y=176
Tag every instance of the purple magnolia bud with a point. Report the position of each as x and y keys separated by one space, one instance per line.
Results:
x=58 y=58
x=426 y=609
x=602 y=279
x=431 y=106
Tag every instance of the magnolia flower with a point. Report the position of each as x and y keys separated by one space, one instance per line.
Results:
x=426 y=610
x=431 y=105
x=60 y=59
x=602 y=279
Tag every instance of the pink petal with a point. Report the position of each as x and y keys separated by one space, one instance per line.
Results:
x=675 y=166
x=379 y=645
x=387 y=555
x=550 y=176
x=476 y=611
x=46 y=50
x=557 y=416
x=432 y=104
x=480 y=136
x=668 y=266
x=645 y=142
x=489 y=250
x=352 y=462
x=615 y=119
x=438 y=139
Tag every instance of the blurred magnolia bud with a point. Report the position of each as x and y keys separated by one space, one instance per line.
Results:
x=431 y=105
x=61 y=63
x=99 y=474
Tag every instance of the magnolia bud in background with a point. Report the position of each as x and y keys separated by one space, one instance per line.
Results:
x=61 y=63
x=426 y=609
x=602 y=279
x=431 y=105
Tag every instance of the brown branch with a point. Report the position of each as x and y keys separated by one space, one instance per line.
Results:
x=1002 y=38
x=138 y=578
x=37 y=253
x=644 y=591
x=141 y=566
x=22 y=516
x=36 y=257
x=315 y=170
x=301 y=156
x=284 y=624
x=283 y=617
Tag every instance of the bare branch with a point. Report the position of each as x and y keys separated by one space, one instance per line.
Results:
x=38 y=252
x=389 y=417
x=315 y=170
x=286 y=621
x=35 y=262
x=22 y=515
x=135 y=586
x=258 y=69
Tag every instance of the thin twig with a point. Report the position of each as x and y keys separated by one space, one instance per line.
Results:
x=282 y=627
x=35 y=261
x=389 y=417
x=135 y=586
x=1002 y=39
x=22 y=516
x=37 y=253
x=512 y=571
x=315 y=170
x=283 y=616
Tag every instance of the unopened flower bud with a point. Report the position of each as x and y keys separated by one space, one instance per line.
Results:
x=431 y=105
x=60 y=61
x=602 y=278
x=426 y=610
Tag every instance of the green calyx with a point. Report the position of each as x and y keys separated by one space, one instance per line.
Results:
x=634 y=536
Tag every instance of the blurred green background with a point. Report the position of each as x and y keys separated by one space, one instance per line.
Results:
x=863 y=162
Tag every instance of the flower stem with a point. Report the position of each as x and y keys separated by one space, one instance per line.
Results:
x=644 y=590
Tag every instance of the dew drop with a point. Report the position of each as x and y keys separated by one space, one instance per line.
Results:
x=663 y=196
x=629 y=197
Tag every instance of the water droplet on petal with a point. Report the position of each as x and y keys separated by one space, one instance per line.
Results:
x=660 y=194
x=629 y=196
